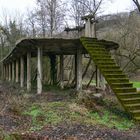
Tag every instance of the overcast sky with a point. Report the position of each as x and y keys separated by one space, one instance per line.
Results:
x=22 y=5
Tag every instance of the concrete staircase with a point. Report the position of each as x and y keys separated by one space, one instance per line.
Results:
x=115 y=77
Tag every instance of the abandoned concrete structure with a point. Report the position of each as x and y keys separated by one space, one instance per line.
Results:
x=17 y=64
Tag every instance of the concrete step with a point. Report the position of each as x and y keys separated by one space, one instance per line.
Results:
x=101 y=53
x=92 y=44
x=133 y=106
x=115 y=76
x=104 y=60
x=137 y=118
x=128 y=95
x=89 y=47
x=131 y=100
x=97 y=55
x=105 y=63
x=135 y=112
x=121 y=85
x=108 y=67
x=115 y=71
x=124 y=90
x=118 y=80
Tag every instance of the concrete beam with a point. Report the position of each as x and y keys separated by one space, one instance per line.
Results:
x=39 y=70
x=29 y=71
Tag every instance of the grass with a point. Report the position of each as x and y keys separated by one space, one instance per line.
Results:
x=136 y=84
x=110 y=120
x=55 y=113
x=66 y=112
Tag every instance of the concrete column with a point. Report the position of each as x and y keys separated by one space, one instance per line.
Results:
x=13 y=71
x=53 y=69
x=39 y=70
x=17 y=71
x=6 y=74
x=2 y=72
x=61 y=71
x=29 y=71
x=88 y=28
x=22 y=71
x=102 y=82
x=97 y=77
x=10 y=77
x=93 y=30
x=79 y=71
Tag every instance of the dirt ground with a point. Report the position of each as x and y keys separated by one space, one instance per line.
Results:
x=11 y=122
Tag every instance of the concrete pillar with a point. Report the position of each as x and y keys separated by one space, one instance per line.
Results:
x=3 y=72
x=53 y=60
x=79 y=71
x=97 y=77
x=13 y=71
x=88 y=28
x=22 y=71
x=10 y=77
x=29 y=71
x=61 y=71
x=6 y=72
x=39 y=70
x=17 y=71
x=100 y=81
x=93 y=30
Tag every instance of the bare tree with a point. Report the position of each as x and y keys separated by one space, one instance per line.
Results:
x=80 y=8
x=77 y=10
x=137 y=4
x=51 y=15
x=32 y=24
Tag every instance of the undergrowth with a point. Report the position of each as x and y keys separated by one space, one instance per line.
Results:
x=68 y=112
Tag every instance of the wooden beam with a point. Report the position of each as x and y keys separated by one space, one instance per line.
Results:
x=79 y=71
x=61 y=71
x=39 y=70
x=29 y=71
x=22 y=71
